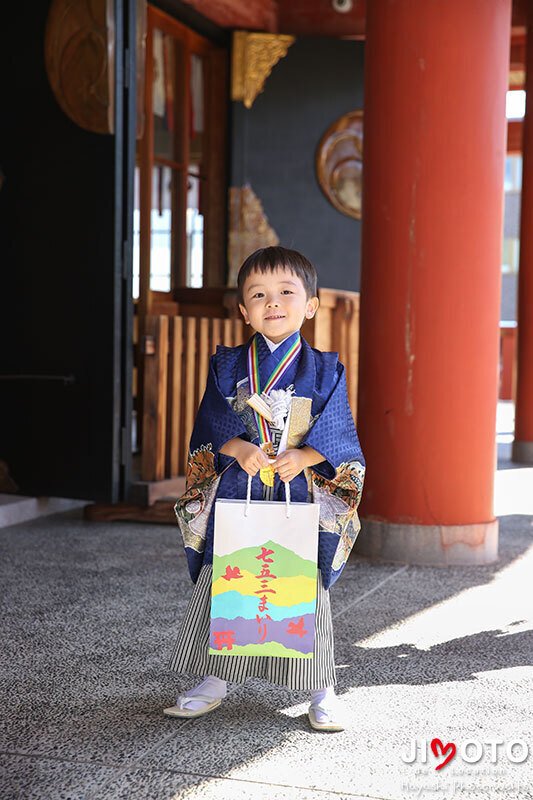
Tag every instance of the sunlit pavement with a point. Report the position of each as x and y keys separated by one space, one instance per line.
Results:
x=513 y=486
x=423 y=654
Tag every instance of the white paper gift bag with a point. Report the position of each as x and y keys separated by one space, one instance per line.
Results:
x=263 y=597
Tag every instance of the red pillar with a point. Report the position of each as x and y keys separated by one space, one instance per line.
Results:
x=436 y=75
x=523 y=441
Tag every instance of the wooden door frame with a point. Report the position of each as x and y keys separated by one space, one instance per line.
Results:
x=215 y=237
x=216 y=157
x=125 y=147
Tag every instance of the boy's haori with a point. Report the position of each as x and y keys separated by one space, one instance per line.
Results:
x=320 y=418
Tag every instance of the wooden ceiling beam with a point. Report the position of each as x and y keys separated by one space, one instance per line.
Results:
x=298 y=17
x=323 y=17
x=256 y=15
x=317 y=17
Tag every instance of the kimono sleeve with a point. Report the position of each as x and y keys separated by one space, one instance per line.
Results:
x=337 y=482
x=215 y=424
x=333 y=434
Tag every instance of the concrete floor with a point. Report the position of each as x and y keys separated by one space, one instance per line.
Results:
x=90 y=614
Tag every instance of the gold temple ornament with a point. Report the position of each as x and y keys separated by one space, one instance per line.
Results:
x=254 y=57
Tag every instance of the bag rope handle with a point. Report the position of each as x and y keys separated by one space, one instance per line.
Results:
x=249 y=497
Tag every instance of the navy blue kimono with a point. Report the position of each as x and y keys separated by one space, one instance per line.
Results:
x=320 y=417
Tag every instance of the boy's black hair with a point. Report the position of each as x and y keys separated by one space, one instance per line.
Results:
x=269 y=259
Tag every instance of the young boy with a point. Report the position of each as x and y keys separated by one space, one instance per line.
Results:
x=318 y=452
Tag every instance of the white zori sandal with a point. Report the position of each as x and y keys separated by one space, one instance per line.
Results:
x=323 y=719
x=324 y=710
x=200 y=700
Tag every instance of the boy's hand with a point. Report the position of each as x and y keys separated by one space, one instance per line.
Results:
x=290 y=463
x=251 y=458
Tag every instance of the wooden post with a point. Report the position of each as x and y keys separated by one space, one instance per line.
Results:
x=155 y=351
x=175 y=409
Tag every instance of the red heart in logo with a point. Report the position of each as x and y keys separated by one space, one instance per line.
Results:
x=436 y=744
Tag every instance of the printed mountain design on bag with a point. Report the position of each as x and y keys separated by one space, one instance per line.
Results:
x=293 y=564
x=263 y=602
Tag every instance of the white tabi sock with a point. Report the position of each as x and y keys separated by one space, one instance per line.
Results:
x=211 y=687
x=324 y=700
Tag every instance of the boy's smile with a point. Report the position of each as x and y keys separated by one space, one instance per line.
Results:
x=276 y=303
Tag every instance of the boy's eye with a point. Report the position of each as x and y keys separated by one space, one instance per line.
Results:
x=257 y=295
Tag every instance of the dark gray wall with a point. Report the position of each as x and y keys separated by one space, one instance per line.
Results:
x=511 y=230
x=274 y=145
x=509 y=300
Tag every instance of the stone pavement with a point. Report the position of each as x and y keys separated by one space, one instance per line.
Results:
x=89 y=617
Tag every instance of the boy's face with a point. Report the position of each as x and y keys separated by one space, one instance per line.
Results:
x=276 y=303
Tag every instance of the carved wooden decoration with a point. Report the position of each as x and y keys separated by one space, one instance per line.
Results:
x=249 y=228
x=339 y=163
x=79 y=54
x=80 y=61
x=254 y=56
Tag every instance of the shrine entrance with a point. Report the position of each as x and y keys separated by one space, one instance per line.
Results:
x=183 y=305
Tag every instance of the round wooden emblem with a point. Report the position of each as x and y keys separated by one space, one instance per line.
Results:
x=339 y=163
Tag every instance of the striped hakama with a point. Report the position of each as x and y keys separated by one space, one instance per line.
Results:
x=191 y=652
